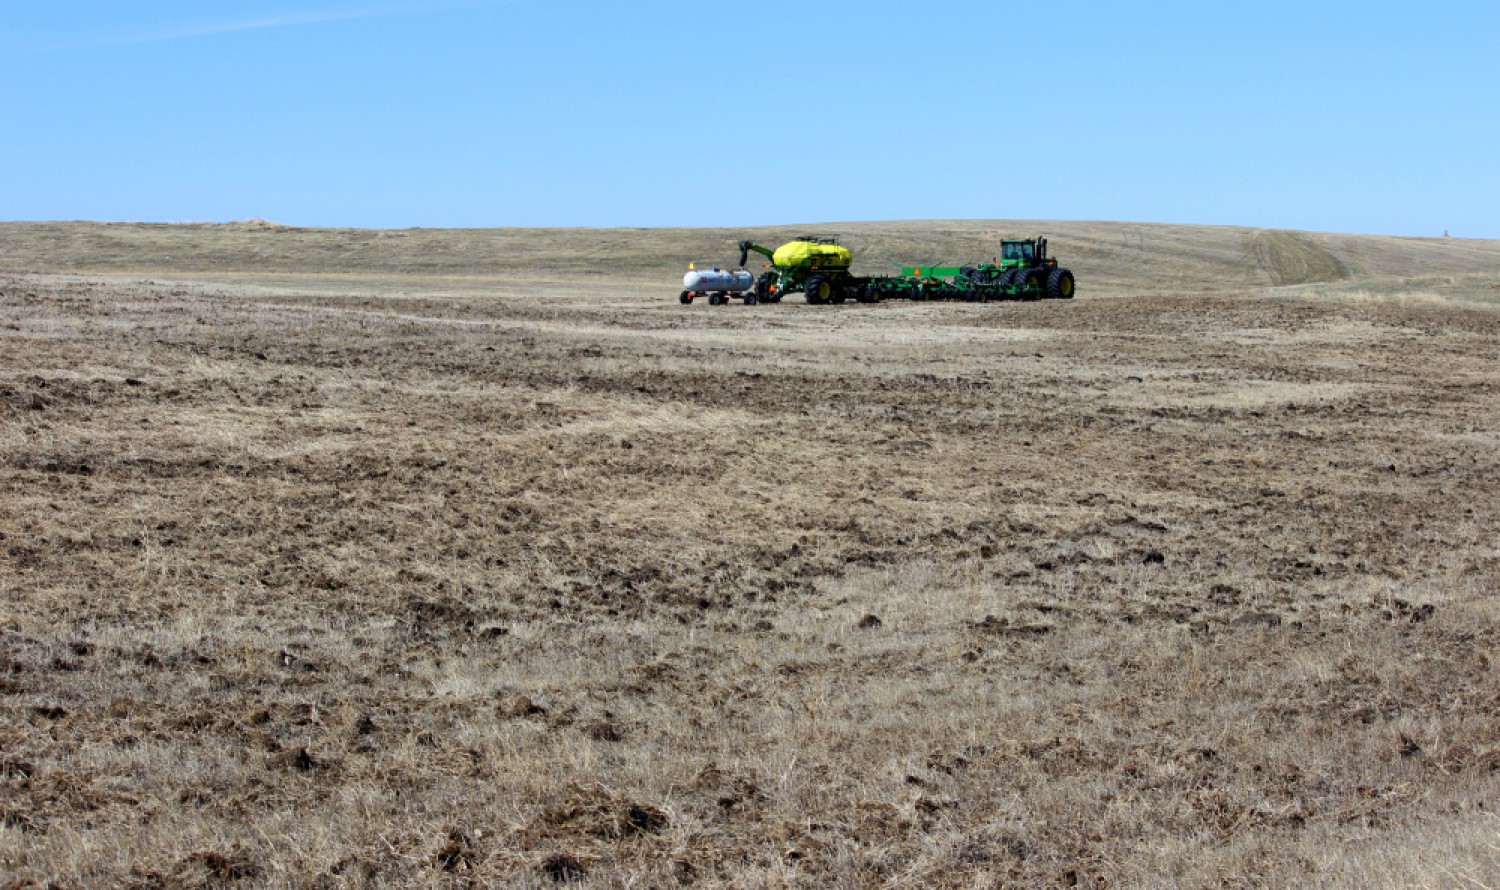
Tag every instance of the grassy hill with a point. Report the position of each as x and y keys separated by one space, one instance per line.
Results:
x=1108 y=257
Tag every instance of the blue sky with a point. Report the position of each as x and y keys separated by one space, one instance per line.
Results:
x=1379 y=117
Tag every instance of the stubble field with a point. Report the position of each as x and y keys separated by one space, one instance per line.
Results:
x=446 y=558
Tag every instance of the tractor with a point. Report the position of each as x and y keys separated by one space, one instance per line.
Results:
x=1023 y=265
x=1022 y=271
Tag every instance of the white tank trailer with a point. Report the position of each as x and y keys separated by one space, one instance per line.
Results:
x=718 y=284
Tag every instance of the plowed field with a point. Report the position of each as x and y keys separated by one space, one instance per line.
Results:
x=314 y=573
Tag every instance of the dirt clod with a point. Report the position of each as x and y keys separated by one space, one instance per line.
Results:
x=563 y=868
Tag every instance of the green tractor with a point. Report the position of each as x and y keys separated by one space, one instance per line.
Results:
x=1022 y=271
x=818 y=266
x=1024 y=266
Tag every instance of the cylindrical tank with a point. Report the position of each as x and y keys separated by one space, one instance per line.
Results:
x=716 y=279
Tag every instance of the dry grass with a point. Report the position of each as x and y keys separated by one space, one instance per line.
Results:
x=462 y=574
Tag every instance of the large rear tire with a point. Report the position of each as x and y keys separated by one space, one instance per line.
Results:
x=1060 y=285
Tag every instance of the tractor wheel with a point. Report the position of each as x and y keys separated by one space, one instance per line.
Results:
x=685 y=297
x=818 y=290
x=1030 y=282
x=1060 y=285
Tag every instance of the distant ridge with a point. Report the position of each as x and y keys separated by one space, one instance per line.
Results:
x=1107 y=256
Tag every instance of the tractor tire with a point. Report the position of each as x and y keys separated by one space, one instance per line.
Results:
x=1060 y=285
x=1031 y=281
x=818 y=290
x=685 y=297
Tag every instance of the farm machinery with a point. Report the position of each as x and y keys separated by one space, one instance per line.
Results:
x=719 y=285
x=818 y=266
x=1023 y=271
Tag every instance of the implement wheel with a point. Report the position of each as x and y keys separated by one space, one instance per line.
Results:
x=1060 y=285
x=685 y=297
x=818 y=290
x=763 y=288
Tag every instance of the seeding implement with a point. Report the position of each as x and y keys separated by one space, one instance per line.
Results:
x=818 y=266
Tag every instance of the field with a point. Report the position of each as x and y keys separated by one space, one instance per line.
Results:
x=355 y=558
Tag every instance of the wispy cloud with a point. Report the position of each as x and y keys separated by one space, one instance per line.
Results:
x=198 y=30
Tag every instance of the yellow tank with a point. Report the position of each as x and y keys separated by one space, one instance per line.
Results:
x=811 y=253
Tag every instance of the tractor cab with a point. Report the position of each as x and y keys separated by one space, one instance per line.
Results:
x=1018 y=252
x=1030 y=253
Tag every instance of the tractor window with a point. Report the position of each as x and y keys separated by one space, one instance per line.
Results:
x=1017 y=250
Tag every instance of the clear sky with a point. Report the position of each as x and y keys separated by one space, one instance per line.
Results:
x=1379 y=117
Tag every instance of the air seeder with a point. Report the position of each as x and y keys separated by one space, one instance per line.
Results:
x=818 y=266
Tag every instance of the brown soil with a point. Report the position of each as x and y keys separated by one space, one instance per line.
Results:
x=331 y=561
